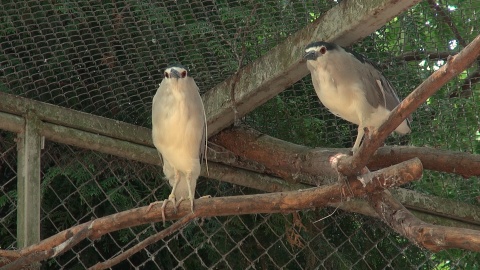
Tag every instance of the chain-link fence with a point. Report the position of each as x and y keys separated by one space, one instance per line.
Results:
x=79 y=185
x=106 y=58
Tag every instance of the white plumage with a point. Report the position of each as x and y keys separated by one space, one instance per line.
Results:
x=178 y=132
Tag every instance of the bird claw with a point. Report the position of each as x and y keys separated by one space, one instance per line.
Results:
x=152 y=204
x=178 y=203
x=171 y=198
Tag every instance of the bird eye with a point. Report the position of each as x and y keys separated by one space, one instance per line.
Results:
x=166 y=75
x=184 y=74
x=323 y=50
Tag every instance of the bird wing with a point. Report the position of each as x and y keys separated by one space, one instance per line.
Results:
x=199 y=107
x=380 y=91
x=385 y=90
x=162 y=104
x=203 y=144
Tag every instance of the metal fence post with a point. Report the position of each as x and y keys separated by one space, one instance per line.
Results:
x=28 y=211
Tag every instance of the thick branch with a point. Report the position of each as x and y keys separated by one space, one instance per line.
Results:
x=282 y=66
x=292 y=162
x=251 y=179
x=297 y=163
x=460 y=163
x=432 y=237
x=51 y=252
x=439 y=207
x=282 y=202
x=431 y=208
x=375 y=138
x=217 y=153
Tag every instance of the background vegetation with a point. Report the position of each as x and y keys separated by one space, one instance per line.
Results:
x=106 y=58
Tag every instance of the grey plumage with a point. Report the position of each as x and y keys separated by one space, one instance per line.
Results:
x=178 y=132
x=351 y=87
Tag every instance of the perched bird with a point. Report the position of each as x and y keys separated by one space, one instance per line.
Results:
x=351 y=87
x=179 y=132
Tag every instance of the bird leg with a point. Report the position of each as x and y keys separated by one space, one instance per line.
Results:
x=359 y=139
x=190 y=193
x=171 y=198
x=179 y=201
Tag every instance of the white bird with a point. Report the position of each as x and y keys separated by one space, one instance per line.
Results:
x=179 y=133
x=351 y=87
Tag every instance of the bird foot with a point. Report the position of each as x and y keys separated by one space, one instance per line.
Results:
x=203 y=197
x=178 y=203
x=152 y=204
x=171 y=198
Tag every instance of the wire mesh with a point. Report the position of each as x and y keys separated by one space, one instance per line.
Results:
x=8 y=187
x=107 y=57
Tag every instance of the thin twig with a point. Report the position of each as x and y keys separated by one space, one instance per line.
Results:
x=150 y=240
x=448 y=21
x=474 y=77
x=417 y=56
x=466 y=86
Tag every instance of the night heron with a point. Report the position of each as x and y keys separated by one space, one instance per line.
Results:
x=351 y=87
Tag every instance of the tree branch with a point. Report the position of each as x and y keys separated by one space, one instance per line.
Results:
x=282 y=202
x=219 y=154
x=459 y=163
x=298 y=163
x=431 y=237
x=456 y=212
x=448 y=21
x=375 y=138
x=417 y=56
x=466 y=86
x=150 y=240
x=431 y=208
x=50 y=252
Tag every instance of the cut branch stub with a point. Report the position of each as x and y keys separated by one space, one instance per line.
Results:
x=387 y=177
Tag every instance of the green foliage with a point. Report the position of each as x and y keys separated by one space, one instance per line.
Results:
x=105 y=57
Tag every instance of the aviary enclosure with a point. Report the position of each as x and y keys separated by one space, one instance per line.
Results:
x=78 y=168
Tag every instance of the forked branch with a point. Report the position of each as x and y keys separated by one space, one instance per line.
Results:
x=375 y=138
x=281 y=202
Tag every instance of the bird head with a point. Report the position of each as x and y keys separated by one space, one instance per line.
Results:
x=318 y=49
x=175 y=72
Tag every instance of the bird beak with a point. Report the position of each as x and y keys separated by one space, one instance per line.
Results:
x=311 y=55
x=174 y=74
